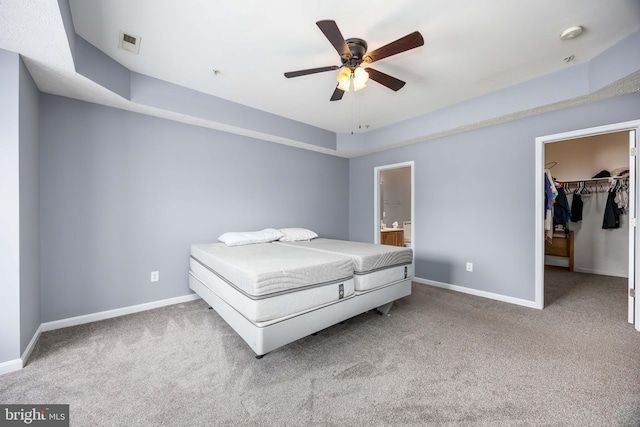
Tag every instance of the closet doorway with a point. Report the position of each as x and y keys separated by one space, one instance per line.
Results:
x=608 y=256
x=393 y=205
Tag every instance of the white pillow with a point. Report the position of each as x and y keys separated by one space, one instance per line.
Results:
x=296 y=234
x=237 y=238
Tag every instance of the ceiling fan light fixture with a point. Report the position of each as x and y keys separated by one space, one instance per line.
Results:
x=360 y=78
x=353 y=53
x=344 y=79
x=357 y=87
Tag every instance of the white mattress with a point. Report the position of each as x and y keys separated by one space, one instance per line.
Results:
x=266 y=283
x=265 y=269
x=374 y=265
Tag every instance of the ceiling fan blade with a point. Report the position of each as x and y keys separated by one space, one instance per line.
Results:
x=331 y=31
x=385 y=79
x=337 y=94
x=408 y=42
x=290 y=74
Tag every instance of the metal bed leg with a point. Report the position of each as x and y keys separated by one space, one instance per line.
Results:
x=385 y=309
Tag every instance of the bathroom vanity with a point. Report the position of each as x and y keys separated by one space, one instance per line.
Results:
x=392 y=236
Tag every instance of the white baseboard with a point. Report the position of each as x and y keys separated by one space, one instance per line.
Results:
x=556 y=261
x=10 y=366
x=17 y=364
x=476 y=292
x=102 y=315
x=601 y=272
x=564 y=262
x=31 y=345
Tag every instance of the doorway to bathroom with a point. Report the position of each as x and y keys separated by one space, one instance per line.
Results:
x=394 y=205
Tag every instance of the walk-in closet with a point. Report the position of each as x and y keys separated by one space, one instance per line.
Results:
x=587 y=222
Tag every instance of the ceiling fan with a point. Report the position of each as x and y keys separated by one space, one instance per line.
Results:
x=353 y=53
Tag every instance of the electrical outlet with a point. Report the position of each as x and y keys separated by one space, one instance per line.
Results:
x=155 y=276
x=469 y=266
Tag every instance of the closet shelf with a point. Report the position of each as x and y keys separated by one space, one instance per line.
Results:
x=606 y=178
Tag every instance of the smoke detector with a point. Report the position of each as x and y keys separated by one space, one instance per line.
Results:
x=571 y=33
x=129 y=42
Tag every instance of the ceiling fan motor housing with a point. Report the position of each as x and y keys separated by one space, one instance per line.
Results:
x=358 y=48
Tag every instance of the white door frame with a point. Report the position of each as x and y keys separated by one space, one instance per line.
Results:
x=539 y=204
x=376 y=200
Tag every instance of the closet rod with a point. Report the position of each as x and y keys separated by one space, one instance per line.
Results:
x=606 y=178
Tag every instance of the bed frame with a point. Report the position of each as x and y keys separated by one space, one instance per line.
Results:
x=263 y=338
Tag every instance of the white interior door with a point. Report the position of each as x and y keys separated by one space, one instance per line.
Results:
x=632 y=229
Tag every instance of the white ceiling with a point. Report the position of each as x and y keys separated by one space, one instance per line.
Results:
x=471 y=48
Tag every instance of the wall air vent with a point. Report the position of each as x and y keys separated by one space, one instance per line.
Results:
x=129 y=42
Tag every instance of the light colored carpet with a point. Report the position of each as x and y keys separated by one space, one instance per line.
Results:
x=442 y=358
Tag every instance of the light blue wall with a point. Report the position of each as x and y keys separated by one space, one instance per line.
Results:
x=583 y=79
x=29 y=209
x=141 y=89
x=474 y=197
x=147 y=90
x=9 y=208
x=19 y=209
x=124 y=194
x=100 y=68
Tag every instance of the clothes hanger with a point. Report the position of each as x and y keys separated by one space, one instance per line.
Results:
x=600 y=186
x=612 y=186
x=586 y=192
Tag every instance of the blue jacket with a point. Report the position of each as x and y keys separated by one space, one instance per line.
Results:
x=561 y=209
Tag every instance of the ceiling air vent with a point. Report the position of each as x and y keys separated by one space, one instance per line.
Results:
x=129 y=42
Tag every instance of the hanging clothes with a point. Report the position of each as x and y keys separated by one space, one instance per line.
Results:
x=554 y=191
x=622 y=198
x=576 y=207
x=611 y=212
x=562 y=210
x=550 y=193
